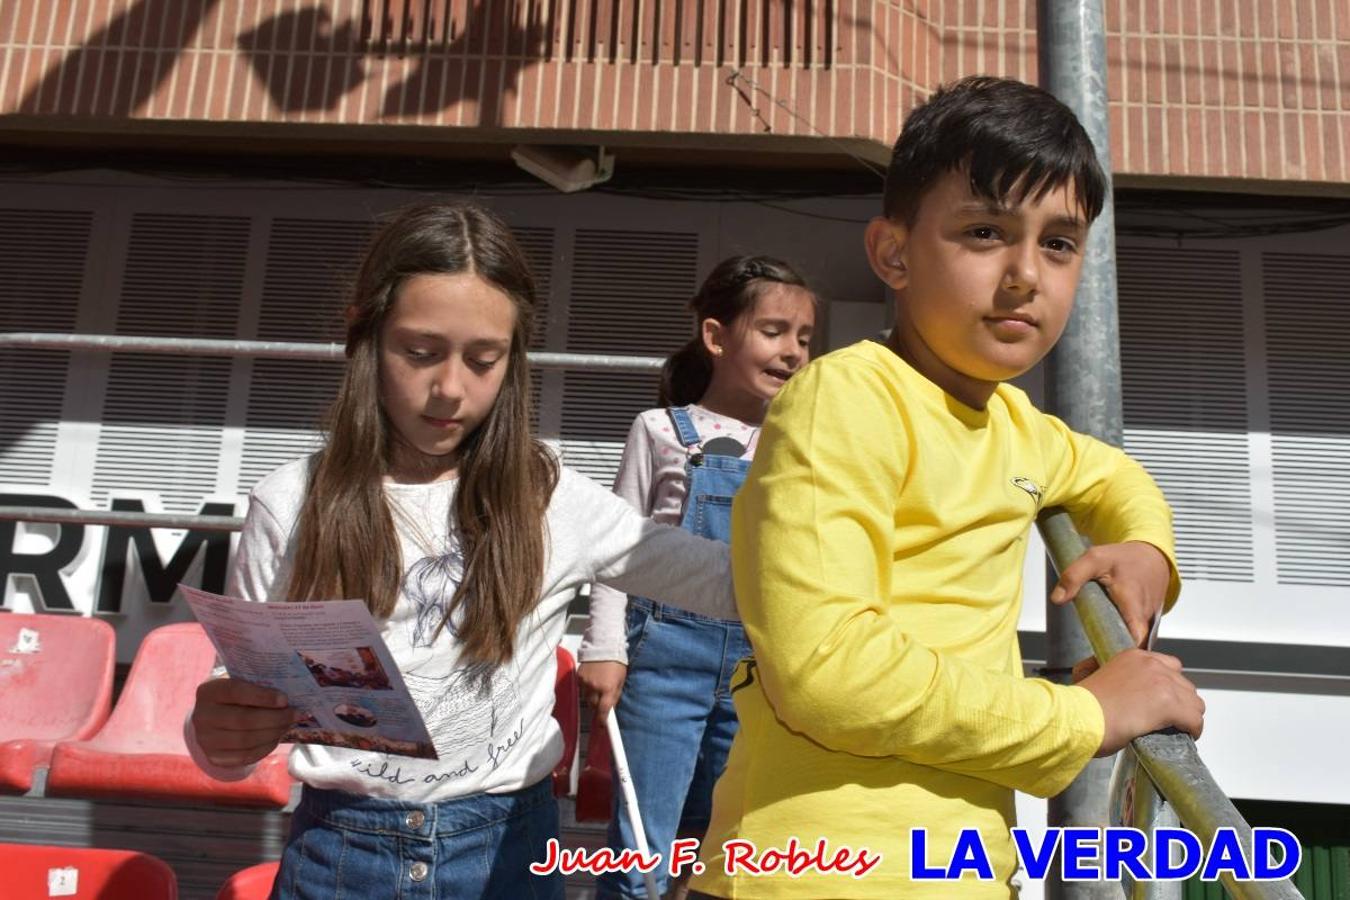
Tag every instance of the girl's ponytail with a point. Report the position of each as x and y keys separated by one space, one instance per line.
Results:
x=729 y=291
x=686 y=375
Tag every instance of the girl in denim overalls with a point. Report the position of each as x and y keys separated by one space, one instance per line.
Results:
x=668 y=670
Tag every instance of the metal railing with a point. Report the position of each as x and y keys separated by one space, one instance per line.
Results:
x=123 y=518
x=37 y=340
x=1170 y=761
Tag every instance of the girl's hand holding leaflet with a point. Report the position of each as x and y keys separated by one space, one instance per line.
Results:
x=238 y=723
x=601 y=684
x=1135 y=574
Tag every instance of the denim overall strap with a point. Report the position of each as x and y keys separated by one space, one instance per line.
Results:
x=689 y=438
x=675 y=711
x=712 y=483
x=684 y=426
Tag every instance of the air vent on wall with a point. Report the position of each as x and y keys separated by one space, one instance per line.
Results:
x=537 y=245
x=1182 y=368
x=311 y=265
x=163 y=415
x=630 y=294
x=1307 y=333
x=41 y=275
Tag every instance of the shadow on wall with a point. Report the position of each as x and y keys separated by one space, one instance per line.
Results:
x=445 y=74
x=130 y=58
x=307 y=62
x=304 y=60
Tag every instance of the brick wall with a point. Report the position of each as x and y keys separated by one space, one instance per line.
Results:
x=1234 y=89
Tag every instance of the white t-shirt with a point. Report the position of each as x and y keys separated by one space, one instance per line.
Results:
x=493 y=731
x=652 y=479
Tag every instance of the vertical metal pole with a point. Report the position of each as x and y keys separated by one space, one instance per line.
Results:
x=1084 y=377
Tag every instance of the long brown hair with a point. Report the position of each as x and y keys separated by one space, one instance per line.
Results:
x=346 y=543
x=729 y=292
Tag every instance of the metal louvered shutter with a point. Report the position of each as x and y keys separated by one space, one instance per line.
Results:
x=310 y=266
x=538 y=246
x=41 y=274
x=163 y=416
x=1307 y=298
x=630 y=294
x=1182 y=363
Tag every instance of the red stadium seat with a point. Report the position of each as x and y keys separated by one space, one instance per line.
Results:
x=567 y=710
x=56 y=675
x=140 y=755
x=36 y=871
x=595 y=786
x=253 y=883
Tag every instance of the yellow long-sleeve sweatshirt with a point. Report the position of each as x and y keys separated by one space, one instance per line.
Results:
x=877 y=550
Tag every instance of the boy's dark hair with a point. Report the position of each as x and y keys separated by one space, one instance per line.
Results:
x=729 y=292
x=1015 y=140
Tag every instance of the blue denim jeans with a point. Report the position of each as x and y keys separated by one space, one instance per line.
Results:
x=351 y=847
x=677 y=722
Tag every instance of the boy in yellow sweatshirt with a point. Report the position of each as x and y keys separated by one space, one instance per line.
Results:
x=878 y=544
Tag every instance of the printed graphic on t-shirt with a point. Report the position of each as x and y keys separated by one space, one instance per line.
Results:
x=467 y=708
x=724 y=446
x=1029 y=485
x=430 y=584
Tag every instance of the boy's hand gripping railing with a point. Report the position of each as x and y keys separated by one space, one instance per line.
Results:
x=1169 y=760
